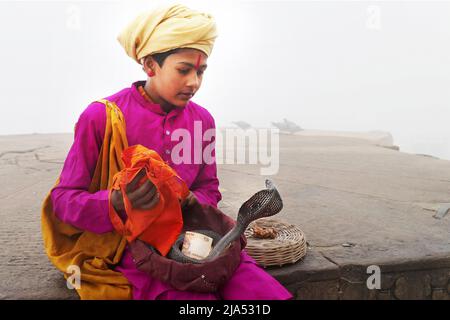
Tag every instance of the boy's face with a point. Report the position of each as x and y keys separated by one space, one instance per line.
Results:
x=180 y=77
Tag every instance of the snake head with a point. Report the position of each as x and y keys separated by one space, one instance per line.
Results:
x=264 y=203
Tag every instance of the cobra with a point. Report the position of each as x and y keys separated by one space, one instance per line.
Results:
x=264 y=203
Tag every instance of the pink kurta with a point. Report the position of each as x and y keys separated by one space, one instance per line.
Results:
x=149 y=125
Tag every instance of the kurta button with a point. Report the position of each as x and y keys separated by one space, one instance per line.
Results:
x=167 y=151
x=167 y=132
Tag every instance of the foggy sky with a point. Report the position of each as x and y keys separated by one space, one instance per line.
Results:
x=352 y=66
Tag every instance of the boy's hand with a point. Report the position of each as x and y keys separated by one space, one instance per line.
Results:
x=189 y=200
x=144 y=197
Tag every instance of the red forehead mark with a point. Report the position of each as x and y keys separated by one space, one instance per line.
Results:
x=198 y=61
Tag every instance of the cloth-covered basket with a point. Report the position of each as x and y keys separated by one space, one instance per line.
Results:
x=205 y=277
x=289 y=245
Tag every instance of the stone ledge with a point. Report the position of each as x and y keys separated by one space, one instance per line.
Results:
x=337 y=189
x=400 y=280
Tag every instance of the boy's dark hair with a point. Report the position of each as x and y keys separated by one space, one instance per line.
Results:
x=161 y=57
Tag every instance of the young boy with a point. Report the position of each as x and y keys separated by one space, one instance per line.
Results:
x=173 y=44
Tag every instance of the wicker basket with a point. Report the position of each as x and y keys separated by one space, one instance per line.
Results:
x=289 y=245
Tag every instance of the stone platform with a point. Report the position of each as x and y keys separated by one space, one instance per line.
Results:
x=358 y=203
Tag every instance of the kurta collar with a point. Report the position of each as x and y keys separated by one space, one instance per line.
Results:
x=154 y=107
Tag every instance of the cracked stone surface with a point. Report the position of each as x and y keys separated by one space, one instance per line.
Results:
x=358 y=204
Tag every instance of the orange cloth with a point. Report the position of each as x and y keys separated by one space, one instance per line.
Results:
x=95 y=254
x=161 y=225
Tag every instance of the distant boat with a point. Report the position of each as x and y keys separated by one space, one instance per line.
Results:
x=287 y=126
x=242 y=124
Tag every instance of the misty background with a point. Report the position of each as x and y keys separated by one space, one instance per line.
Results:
x=327 y=65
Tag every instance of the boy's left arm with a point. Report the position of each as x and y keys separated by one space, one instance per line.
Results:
x=205 y=187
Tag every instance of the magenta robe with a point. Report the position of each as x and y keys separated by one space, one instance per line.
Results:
x=149 y=125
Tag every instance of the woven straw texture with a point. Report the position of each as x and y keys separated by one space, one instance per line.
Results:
x=289 y=245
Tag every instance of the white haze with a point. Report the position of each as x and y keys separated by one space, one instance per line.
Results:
x=336 y=65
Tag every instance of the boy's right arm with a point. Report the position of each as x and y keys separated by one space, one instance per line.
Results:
x=72 y=203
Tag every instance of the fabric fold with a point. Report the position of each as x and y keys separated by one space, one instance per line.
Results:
x=168 y=27
x=161 y=225
x=95 y=254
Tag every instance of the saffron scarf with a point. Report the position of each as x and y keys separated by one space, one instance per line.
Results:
x=95 y=254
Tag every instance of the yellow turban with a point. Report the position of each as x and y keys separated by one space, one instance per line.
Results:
x=166 y=28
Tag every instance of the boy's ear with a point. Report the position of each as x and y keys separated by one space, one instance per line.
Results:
x=148 y=63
